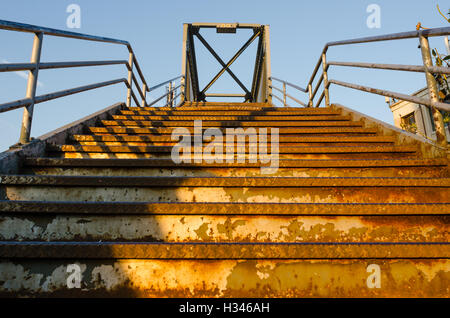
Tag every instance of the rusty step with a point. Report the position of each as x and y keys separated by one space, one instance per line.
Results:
x=230 y=107
x=287 y=167
x=189 y=113
x=103 y=148
x=266 y=182
x=164 y=250
x=268 y=124
x=226 y=189
x=327 y=193
x=243 y=156
x=222 y=222
x=281 y=139
x=225 y=228
x=288 y=163
x=222 y=143
x=230 y=118
x=25 y=208
x=239 y=171
x=282 y=130
x=241 y=109
x=225 y=104
x=260 y=279
x=128 y=227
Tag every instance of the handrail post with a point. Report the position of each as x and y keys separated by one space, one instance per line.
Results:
x=169 y=95
x=31 y=88
x=174 y=94
x=284 y=94
x=144 y=91
x=310 y=101
x=441 y=138
x=325 y=79
x=130 y=78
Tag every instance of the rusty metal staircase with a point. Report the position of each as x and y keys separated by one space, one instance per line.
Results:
x=111 y=200
x=355 y=208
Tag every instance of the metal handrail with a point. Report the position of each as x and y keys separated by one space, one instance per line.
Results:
x=164 y=83
x=427 y=68
x=23 y=27
x=394 y=67
x=289 y=84
x=35 y=65
x=284 y=91
x=168 y=94
x=285 y=94
x=11 y=67
x=46 y=97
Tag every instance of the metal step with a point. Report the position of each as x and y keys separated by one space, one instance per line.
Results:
x=287 y=167
x=103 y=148
x=153 y=222
x=227 y=278
x=266 y=182
x=164 y=250
x=305 y=156
x=199 y=171
x=236 y=124
x=19 y=208
x=230 y=118
x=228 y=189
x=186 y=112
x=235 y=107
x=288 y=163
x=282 y=130
x=282 y=139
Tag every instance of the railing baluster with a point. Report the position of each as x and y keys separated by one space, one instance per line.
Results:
x=31 y=88
x=310 y=101
x=130 y=78
x=441 y=137
x=144 y=91
x=325 y=80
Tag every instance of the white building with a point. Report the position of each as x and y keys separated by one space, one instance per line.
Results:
x=415 y=118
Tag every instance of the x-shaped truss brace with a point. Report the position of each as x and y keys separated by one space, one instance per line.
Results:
x=201 y=95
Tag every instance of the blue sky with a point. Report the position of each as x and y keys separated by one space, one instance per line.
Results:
x=298 y=32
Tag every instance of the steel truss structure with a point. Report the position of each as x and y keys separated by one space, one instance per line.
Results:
x=260 y=90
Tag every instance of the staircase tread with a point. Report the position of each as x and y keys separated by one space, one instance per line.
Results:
x=282 y=149
x=225 y=250
x=145 y=138
x=230 y=123
x=186 y=112
x=222 y=208
x=282 y=130
x=175 y=181
x=229 y=118
x=143 y=162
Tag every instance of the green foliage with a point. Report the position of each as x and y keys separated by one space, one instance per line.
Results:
x=412 y=128
x=442 y=60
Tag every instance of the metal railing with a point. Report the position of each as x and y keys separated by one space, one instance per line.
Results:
x=427 y=68
x=170 y=94
x=35 y=65
x=284 y=92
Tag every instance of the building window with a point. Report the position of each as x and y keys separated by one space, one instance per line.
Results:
x=408 y=123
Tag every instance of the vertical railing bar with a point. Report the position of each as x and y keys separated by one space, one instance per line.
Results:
x=441 y=138
x=284 y=94
x=31 y=88
x=130 y=77
x=310 y=101
x=325 y=80
x=144 y=99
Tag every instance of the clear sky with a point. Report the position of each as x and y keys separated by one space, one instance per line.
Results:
x=298 y=31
